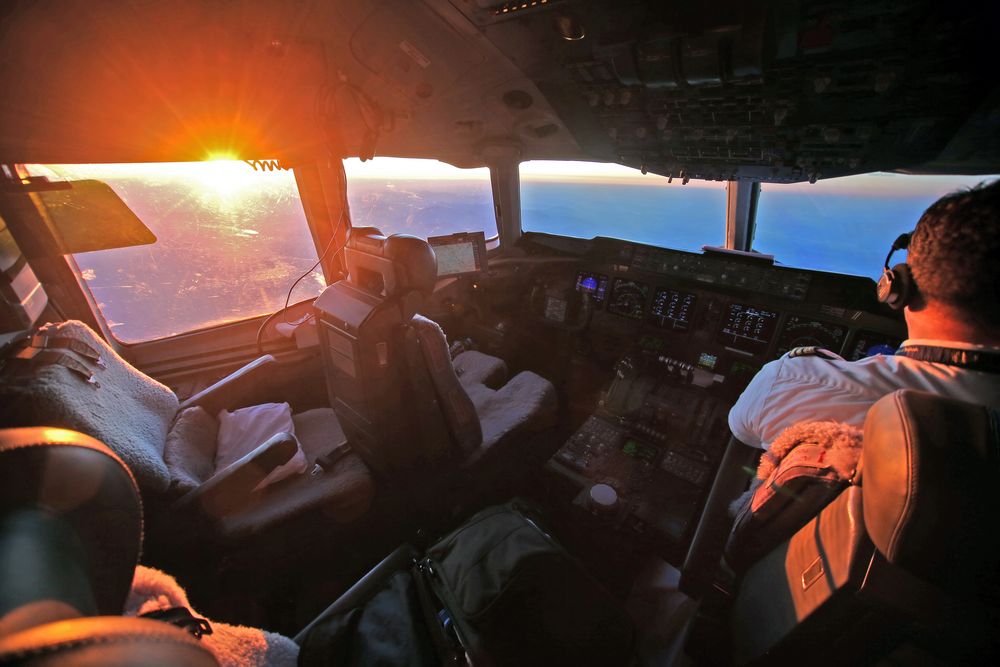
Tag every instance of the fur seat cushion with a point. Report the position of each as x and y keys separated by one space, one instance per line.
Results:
x=525 y=404
x=807 y=466
x=125 y=409
x=838 y=448
x=232 y=645
x=474 y=367
x=190 y=449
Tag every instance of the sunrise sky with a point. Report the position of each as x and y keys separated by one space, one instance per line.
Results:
x=229 y=177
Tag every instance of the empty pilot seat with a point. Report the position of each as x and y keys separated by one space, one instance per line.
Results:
x=171 y=447
x=904 y=566
x=403 y=403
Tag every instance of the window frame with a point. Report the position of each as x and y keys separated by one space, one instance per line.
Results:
x=317 y=185
x=312 y=186
x=502 y=238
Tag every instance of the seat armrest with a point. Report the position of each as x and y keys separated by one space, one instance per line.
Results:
x=227 y=392
x=229 y=488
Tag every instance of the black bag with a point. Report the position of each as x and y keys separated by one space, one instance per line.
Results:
x=384 y=627
x=497 y=591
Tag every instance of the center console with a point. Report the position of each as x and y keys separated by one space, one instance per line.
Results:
x=644 y=460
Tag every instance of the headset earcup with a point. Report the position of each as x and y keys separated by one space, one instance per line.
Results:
x=895 y=287
x=903 y=285
x=884 y=289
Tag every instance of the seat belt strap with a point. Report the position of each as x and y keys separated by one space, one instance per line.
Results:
x=31 y=351
x=27 y=361
x=183 y=619
x=327 y=461
x=973 y=360
x=45 y=341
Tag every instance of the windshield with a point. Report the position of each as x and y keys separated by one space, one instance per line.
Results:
x=587 y=199
x=419 y=197
x=229 y=243
x=846 y=225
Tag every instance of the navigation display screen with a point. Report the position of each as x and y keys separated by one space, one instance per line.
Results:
x=870 y=344
x=672 y=309
x=628 y=298
x=747 y=328
x=594 y=284
x=459 y=254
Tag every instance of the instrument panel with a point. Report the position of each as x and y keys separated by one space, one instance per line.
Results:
x=628 y=298
x=594 y=284
x=747 y=328
x=729 y=334
x=672 y=310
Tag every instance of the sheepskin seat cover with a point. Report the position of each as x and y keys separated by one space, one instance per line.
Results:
x=807 y=466
x=474 y=367
x=125 y=409
x=232 y=645
x=525 y=404
x=486 y=406
x=190 y=449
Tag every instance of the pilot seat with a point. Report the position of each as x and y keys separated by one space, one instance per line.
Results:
x=902 y=566
x=171 y=445
x=405 y=405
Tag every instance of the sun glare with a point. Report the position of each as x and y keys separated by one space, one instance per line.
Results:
x=225 y=177
x=224 y=180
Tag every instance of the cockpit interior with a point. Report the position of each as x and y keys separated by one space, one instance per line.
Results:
x=289 y=285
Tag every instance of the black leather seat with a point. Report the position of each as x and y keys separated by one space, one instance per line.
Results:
x=903 y=567
x=390 y=375
x=70 y=534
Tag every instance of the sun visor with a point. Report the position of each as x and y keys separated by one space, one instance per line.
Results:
x=90 y=216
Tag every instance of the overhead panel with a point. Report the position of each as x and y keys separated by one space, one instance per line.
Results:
x=413 y=50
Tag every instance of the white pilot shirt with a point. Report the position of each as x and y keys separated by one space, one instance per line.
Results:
x=790 y=390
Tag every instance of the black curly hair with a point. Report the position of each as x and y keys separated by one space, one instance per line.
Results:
x=955 y=253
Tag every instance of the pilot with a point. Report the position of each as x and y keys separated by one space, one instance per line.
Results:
x=949 y=291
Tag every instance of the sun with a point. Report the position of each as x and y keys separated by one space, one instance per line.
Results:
x=225 y=176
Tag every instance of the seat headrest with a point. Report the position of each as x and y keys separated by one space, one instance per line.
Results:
x=57 y=482
x=930 y=502
x=390 y=265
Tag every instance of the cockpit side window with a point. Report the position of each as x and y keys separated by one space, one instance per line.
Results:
x=419 y=197
x=846 y=225
x=229 y=242
x=587 y=199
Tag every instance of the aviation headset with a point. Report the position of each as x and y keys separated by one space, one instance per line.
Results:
x=896 y=286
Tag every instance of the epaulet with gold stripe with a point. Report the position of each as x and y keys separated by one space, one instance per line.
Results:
x=813 y=351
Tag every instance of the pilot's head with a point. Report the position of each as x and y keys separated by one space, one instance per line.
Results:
x=954 y=256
